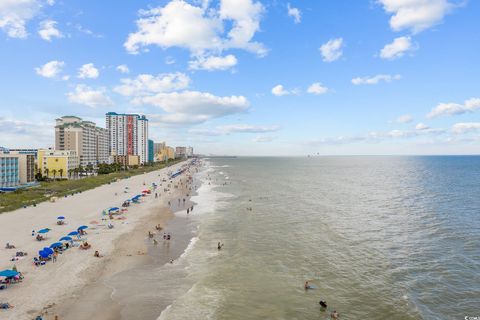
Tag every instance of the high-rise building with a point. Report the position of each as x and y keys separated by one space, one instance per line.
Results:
x=158 y=147
x=16 y=168
x=180 y=152
x=189 y=152
x=89 y=141
x=151 y=154
x=128 y=135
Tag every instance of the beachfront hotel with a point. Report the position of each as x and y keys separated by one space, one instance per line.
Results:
x=57 y=163
x=88 y=141
x=128 y=135
x=16 y=169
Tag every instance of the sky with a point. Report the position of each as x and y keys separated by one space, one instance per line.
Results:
x=248 y=77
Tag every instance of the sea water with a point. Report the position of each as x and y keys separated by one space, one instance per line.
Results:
x=380 y=237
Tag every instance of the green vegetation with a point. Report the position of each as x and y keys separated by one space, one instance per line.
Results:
x=60 y=188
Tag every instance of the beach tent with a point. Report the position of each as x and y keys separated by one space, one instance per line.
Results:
x=82 y=228
x=44 y=230
x=8 y=273
x=66 y=238
x=56 y=245
x=73 y=233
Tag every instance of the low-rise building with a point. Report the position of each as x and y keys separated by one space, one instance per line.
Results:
x=128 y=160
x=57 y=163
x=16 y=169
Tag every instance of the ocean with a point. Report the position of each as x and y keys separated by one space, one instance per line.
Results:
x=380 y=238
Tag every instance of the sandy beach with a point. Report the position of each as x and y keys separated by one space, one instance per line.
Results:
x=73 y=286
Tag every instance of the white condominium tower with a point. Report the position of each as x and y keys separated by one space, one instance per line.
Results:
x=89 y=141
x=128 y=135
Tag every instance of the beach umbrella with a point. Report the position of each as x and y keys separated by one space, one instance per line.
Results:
x=47 y=250
x=44 y=230
x=61 y=218
x=56 y=245
x=82 y=228
x=8 y=273
x=43 y=254
x=113 y=209
x=66 y=238
x=73 y=233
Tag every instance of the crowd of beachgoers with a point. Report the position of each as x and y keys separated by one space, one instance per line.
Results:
x=55 y=240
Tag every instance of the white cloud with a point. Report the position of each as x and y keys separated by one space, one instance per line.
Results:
x=234 y=128
x=279 y=91
x=48 y=30
x=332 y=50
x=14 y=15
x=190 y=107
x=466 y=127
x=199 y=29
x=406 y=118
x=397 y=48
x=88 y=71
x=421 y=126
x=317 y=88
x=294 y=13
x=169 y=60
x=450 y=109
x=123 y=68
x=145 y=84
x=375 y=79
x=246 y=128
x=90 y=97
x=213 y=63
x=264 y=138
x=415 y=15
x=50 y=69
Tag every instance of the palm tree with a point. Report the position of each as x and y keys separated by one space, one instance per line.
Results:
x=54 y=171
x=70 y=171
x=75 y=171
x=60 y=172
x=46 y=171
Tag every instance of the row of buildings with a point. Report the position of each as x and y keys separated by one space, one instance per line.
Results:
x=80 y=143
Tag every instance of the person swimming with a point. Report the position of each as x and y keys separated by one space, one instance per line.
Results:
x=306 y=285
x=323 y=304
x=335 y=315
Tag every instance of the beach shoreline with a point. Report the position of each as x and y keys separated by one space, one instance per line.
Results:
x=74 y=286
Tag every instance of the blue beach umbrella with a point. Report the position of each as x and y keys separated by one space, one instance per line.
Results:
x=8 y=273
x=48 y=250
x=44 y=230
x=43 y=254
x=113 y=209
x=61 y=218
x=73 y=233
x=56 y=245
x=82 y=228
x=66 y=238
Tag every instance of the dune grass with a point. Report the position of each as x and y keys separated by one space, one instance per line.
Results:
x=60 y=188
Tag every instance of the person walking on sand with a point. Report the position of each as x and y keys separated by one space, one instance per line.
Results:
x=188 y=210
x=191 y=209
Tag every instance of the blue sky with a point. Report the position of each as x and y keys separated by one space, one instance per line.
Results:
x=248 y=77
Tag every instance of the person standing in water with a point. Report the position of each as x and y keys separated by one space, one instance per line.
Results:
x=219 y=246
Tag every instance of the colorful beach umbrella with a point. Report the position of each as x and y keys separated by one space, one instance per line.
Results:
x=44 y=230
x=82 y=228
x=48 y=250
x=56 y=245
x=113 y=209
x=73 y=233
x=66 y=238
x=61 y=218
